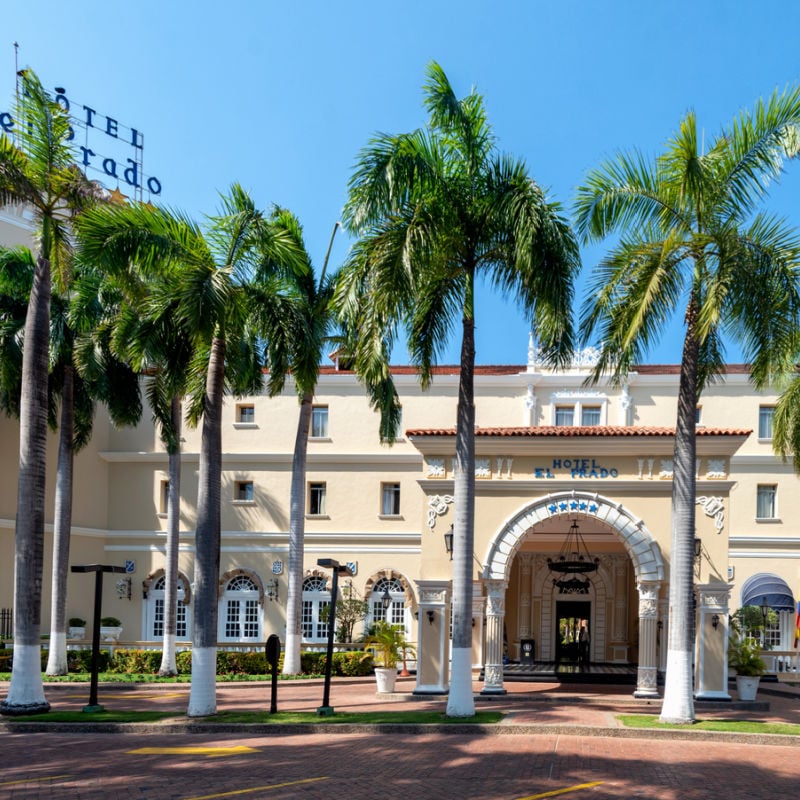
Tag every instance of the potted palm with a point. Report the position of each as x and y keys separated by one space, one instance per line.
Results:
x=387 y=645
x=77 y=628
x=743 y=656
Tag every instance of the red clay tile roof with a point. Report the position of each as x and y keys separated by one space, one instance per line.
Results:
x=576 y=431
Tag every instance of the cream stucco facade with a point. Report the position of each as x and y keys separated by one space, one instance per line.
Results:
x=550 y=451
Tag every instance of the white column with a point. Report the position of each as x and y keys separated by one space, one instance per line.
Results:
x=433 y=656
x=711 y=678
x=647 y=671
x=495 y=616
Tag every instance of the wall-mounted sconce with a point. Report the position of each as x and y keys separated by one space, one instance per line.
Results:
x=698 y=547
x=431 y=616
x=448 y=542
x=660 y=624
x=473 y=622
x=123 y=587
x=272 y=589
x=386 y=598
x=714 y=621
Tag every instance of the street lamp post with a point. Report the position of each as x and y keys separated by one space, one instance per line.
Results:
x=326 y=710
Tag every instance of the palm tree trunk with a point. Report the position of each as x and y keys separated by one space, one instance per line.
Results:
x=203 y=695
x=460 y=701
x=62 y=525
x=26 y=693
x=168 y=665
x=678 y=705
x=294 y=598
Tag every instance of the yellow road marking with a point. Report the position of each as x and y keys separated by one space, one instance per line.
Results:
x=192 y=751
x=555 y=791
x=34 y=780
x=259 y=788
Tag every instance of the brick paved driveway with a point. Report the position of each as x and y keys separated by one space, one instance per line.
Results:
x=369 y=766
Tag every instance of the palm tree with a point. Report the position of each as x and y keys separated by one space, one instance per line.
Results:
x=691 y=238
x=228 y=291
x=434 y=209
x=38 y=171
x=318 y=317
x=144 y=334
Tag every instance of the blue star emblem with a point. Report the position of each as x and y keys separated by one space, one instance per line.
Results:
x=573 y=505
x=582 y=506
x=593 y=508
x=562 y=506
x=552 y=508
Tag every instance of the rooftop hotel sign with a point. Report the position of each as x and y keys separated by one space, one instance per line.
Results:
x=104 y=147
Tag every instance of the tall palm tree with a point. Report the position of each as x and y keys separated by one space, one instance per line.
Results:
x=144 y=335
x=228 y=291
x=692 y=239
x=38 y=171
x=434 y=209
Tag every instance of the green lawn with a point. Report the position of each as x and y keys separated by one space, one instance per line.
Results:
x=729 y=725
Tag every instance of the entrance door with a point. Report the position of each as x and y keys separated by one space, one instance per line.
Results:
x=572 y=646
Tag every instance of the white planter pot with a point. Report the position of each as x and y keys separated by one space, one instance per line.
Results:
x=747 y=686
x=76 y=633
x=110 y=634
x=385 y=677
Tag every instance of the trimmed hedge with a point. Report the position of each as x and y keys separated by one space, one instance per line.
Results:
x=143 y=662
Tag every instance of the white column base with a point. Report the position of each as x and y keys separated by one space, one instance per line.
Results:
x=57 y=655
x=168 y=665
x=678 y=705
x=291 y=655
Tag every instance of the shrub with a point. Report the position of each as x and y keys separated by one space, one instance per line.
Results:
x=76 y=622
x=136 y=661
x=183 y=662
x=110 y=622
x=351 y=664
x=81 y=661
x=312 y=663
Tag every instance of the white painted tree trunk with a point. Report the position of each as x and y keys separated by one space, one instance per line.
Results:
x=26 y=693
x=203 y=694
x=297 y=514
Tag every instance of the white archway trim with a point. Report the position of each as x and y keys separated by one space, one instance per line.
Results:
x=636 y=538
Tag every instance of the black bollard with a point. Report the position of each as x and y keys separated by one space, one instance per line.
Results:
x=273 y=649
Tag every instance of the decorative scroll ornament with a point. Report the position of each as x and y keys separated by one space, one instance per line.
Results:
x=713 y=507
x=437 y=505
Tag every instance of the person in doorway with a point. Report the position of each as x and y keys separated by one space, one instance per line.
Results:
x=583 y=645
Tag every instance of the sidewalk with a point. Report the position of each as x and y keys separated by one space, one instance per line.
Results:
x=528 y=707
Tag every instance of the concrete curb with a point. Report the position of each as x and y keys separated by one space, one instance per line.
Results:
x=461 y=729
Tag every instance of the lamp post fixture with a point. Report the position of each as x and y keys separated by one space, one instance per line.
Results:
x=326 y=710
x=98 y=570
x=448 y=542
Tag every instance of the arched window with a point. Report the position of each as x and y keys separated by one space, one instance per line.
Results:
x=154 y=611
x=316 y=601
x=395 y=612
x=240 y=612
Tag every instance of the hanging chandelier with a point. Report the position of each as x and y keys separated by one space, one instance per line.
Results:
x=574 y=555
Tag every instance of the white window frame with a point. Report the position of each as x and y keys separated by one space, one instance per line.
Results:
x=577 y=400
x=766 y=418
x=244 y=492
x=591 y=407
x=240 y=607
x=320 y=423
x=397 y=613
x=390 y=499
x=163 y=497
x=154 y=612
x=245 y=416
x=766 y=493
x=316 y=596
x=318 y=508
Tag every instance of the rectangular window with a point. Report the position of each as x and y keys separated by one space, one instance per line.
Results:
x=565 y=416
x=244 y=491
x=765 y=501
x=316 y=499
x=390 y=499
x=698 y=415
x=590 y=415
x=245 y=414
x=319 y=422
x=163 y=498
x=766 y=415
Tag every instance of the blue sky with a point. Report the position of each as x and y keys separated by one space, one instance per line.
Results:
x=282 y=96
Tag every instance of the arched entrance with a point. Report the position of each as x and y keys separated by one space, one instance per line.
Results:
x=639 y=547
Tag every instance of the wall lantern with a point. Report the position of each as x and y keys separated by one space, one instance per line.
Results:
x=448 y=542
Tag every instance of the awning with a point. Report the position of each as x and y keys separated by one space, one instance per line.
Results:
x=775 y=589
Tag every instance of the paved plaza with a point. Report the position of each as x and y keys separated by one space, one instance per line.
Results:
x=554 y=741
